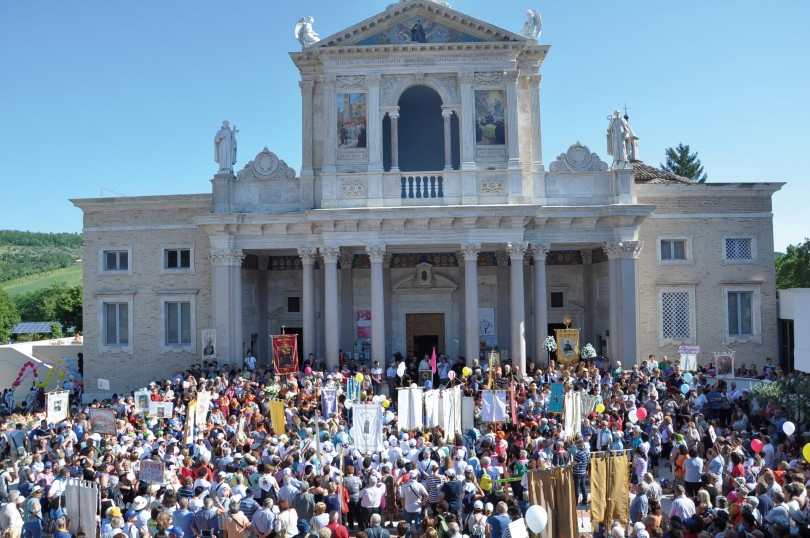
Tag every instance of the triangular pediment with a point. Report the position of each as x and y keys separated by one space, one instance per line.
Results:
x=441 y=24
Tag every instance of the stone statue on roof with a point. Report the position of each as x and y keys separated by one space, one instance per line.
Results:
x=533 y=25
x=619 y=140
x=304 y=32
x=225 y=147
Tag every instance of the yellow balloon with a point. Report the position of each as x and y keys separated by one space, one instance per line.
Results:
x=386 y=404
x=61 y=375
x=600 y=408
x=466 y=371
x=58 y=361
x=359 y=377
x=806 y=451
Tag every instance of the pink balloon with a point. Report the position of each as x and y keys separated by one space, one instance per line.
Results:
x=641 y=413
x=756 y=445
x=451 y=375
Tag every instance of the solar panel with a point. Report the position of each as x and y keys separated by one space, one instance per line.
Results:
x=32 y=327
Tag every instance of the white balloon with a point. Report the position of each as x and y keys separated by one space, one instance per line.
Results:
x=788 y=428
x=347 y=404
x=633 y=418
x=536 y=518
x=401 y=369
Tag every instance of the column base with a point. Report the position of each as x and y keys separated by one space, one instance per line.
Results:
x=394 y=169
x=469 y=166
x=448 y=167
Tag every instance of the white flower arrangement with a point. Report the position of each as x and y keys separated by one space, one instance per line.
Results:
x=272 y=390
x=588 y=352
x=550 y=344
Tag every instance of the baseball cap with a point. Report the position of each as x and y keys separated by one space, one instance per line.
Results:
x=478 y=505
x=130 y=514
x=414 y=474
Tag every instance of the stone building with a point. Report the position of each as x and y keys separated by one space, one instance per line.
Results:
x=425 y=215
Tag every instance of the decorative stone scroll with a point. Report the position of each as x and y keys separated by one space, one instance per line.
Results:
x=351 y=82
x=266 y=165
x=516 y=251
x=578 y=159
x=488 y=79
x=330 y=254
x=351 y=188
x=470 y=251
x=376 y=253
x=624 y=249
x=226 y=257
x=492 y=185
x=308 y=255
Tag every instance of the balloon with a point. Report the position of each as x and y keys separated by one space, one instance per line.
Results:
x=687 y=377
x=685 y=388
x=451 y=375
x=641 y=413
x=428 y=384
x=359 y=377
x=375 y=399
x=788 y=428
x=413 y=385
x=347 y=404
x=536 y=518
x=61 y=375
x=633 y=418
x=401 y=369
x=600 y=408
x=466 y=371
x=387 y=404
x=806 y=452
x=389 y=416
x=756 y=445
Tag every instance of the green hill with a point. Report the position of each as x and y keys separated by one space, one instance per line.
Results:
x=30 y=261
x=69 y=275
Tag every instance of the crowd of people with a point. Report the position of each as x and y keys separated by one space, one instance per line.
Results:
x=727 y=461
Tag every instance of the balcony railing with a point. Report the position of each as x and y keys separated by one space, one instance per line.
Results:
x=422 y=186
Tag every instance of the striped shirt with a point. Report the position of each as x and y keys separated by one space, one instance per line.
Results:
x=433 y=483
x=581 y=459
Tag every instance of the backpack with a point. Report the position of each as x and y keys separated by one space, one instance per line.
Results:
x=468 y=501
x=478 y=529
x=486 y=482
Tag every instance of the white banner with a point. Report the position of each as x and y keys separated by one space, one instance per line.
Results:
x=467 y=413
x=493 y=406
x=450 y=412
x=57 y=406
x=203 y=405
x=409 y=409
x=81 y=499
x=688 y=362
x=161 y=409
x=572 y=413
x=432 y=409
x=367 y=427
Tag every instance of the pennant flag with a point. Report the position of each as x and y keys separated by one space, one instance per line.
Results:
x=328 y=403
x=433 y=360
x=493 y=406
x=367 y=427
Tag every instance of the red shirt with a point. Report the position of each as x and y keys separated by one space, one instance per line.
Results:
x=338 y=530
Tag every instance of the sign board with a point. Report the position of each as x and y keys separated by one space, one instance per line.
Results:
x=161 y=409
x=102 y=421
x=58 y=404
x=151 y=471
x=103 y=384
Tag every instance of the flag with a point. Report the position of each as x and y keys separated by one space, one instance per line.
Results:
x=367 y=427
x=512 y=405
x=328 y=403
x=433 y=360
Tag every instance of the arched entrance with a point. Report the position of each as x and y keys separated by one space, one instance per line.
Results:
x=421 y=131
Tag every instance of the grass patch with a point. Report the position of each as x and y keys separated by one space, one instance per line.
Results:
x=70 y=275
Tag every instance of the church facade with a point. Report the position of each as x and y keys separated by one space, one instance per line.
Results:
x=425 y=215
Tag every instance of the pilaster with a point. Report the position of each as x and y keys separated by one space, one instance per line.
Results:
x=226 y=280
x=308 y=258
x=539 y=253
x=516 y=253
x=470 y=253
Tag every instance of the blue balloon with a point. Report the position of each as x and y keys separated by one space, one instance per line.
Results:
x=685 y=388
x=687 y=377
x=428 y=384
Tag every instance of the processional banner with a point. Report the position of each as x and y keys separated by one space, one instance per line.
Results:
x=57 y=406
x=493 y=406
x=367 y=427
x=328 y=403
x=285 y=353
x=450 y=411
x=567 y=345
x=409 y=408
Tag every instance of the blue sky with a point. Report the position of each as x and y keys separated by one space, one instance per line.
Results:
x=127 y=96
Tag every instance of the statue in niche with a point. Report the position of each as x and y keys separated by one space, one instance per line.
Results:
x=304 y=32
x=418 y=34
x=533 y=25
x=225 y=147
x=619 y=138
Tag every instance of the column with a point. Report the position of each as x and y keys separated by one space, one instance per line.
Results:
x=376 y=254
x=537 y=146
x=330 y=115
x=502 y=315
x=623 y=276
x=264 y=354
x=516 y=252
x=446 y=115
x=308 y=257
x=373 y=123
x=331 y=305
x=347 y=328
x=394 y=115
x=613 y=251
x=539 y=253
x=470 y=252
x=511 y=78
x=226 y=280
x=467 y=121
x=307 y=87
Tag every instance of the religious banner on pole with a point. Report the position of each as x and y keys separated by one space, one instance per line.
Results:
x=409 y=408
x=493 y=406
x=367 y=427
x=203 y=406
x=431 y=399
x=209 y=344
x=352 y=389
x=555 y=401
x=567 y=345
x=449 y=411
x=57 y=406
x=191 y=416
x=285 y=353
x=161 y=409
x=724 y=364
x=688 y=357
x=328 y=403
x=467 y=413
x=512 y=403
x=102 y=421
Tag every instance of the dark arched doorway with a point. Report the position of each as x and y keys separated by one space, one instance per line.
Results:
x=421 y=130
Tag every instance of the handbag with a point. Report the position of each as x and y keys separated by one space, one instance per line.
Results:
x=20 y=449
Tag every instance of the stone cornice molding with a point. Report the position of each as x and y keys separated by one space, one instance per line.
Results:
x=330 y=254
x=470 y=251
x=623 y=249
x=376 y=253
x=226 y=257
x=539 y=252
x=308 y=255
x=516 y=251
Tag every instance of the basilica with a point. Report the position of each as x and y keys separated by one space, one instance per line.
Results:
x=425 y=215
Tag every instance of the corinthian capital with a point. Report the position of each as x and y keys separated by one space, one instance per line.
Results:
x=539 y=252
x=306 y=86
x=308 y=255
x=226 y=257
x=623 y=249
x=516 y=251
x=376 y=253
x=470 y=251
x=330 y=254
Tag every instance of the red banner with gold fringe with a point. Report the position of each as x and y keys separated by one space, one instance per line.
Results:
x=285 y=353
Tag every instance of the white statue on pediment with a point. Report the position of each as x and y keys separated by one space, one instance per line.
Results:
x=619 y=139
x=304 y=32
x=533 y=25
x=225 y=147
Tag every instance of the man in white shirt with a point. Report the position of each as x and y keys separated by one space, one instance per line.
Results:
x=682 y=506
x=250 y=361
x=415 y=497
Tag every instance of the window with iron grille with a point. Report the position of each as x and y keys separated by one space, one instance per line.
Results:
x=739 y=248
x=675 y=314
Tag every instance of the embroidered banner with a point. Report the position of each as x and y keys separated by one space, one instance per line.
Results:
x=328 y=403
x=493 y=406
x=285 y=353
x=367 y=427
x=567 y=345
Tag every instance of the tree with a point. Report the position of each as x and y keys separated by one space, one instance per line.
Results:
x=683 y=163
x=8 y=316
x=793 y=392
x=793 y=267
x=59 y=302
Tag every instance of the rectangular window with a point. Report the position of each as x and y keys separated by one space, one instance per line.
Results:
x=178 y=323
x=675 y=314
x=740 y=313
x=116 y=260
x=293 y=305
x=116 y=324
x=177 y=258
x=557 y=299
x=739 y=248
x=673 y=249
